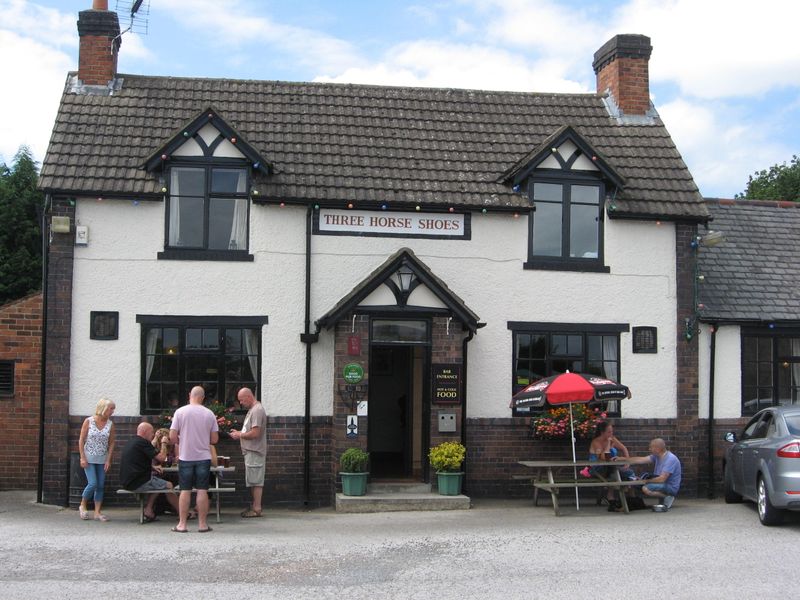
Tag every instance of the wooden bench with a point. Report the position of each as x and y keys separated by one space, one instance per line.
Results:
x=554 y=488
x=141 y=496
x=544 y=478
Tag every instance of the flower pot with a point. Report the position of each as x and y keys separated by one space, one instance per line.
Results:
x=354 y=484
x=449 y=483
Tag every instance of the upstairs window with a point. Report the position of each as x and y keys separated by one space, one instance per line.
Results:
x=208 y=209
x=566 y=224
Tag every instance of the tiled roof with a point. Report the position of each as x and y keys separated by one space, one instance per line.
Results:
x=334 y=142
x=754 y=274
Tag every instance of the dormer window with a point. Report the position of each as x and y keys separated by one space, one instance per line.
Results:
x=566 y=221
x=566 y=180
x=206 y=171
x=208 y=208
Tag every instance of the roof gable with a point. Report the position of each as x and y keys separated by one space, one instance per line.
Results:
x=387 y=275
x=207 y=135
x=566 y=150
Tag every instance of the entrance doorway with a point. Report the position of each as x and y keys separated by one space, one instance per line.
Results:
x=395 y=411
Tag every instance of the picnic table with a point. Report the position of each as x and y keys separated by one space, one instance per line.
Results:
x=548 y=476
x=215 y=489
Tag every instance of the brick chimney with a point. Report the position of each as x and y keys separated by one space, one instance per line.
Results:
x=98 y=30
x=621 y=65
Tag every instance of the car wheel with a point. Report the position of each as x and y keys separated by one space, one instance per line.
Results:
x=731 y=497
x=767 y=514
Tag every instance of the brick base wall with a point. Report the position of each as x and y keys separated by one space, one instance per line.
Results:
x=21 y=342
x=495 y=445
x=284 y=473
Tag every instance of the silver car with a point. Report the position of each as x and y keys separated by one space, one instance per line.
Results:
x=763 y=463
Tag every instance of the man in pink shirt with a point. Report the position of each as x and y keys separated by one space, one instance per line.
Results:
x=194 y=428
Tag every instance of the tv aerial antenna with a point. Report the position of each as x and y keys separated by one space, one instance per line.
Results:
x=138 y=11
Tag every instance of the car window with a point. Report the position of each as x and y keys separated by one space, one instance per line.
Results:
x=750 y=428
x=768 y=425
x=793 y=424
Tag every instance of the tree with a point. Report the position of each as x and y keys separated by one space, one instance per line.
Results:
x=20 y=232
x=779 y=182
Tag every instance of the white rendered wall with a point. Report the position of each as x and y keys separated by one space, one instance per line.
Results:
x=727 y=372
x=119 y=271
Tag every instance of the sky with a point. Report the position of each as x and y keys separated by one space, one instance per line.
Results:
x=724 y=74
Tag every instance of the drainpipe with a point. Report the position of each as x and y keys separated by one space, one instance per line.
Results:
x=43 y=371
x=711 y=493
x=308 y=339
x=464 y=401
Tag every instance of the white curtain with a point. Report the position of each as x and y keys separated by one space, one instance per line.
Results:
x=151 y=343
x=238 y=239
x=251 y=347
x=174 y=208
x=610 y=365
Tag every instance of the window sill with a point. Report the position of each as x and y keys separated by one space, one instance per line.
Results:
x=221 y=255
x=566 y=265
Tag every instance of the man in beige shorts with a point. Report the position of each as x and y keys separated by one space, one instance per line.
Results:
x=253 y=438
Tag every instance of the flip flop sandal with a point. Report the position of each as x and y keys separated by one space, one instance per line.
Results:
x=250 y=514
x=176 y=530
x=147 y=519
x=206 y=530
x=102 y=518
x=84 y=515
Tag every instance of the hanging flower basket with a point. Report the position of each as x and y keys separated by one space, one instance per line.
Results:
x=554 y=424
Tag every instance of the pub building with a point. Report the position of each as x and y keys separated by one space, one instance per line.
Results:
x=384 y=266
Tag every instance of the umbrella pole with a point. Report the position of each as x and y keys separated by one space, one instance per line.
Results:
x=574 y=459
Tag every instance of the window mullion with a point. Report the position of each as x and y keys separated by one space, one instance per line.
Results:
x=206 y=207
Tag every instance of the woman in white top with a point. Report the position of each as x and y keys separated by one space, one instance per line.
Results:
x=96 y=445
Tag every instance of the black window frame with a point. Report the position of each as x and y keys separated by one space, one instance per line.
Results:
x=8 y=369
x=761 y=378
x=640 y=336
x=97 y=326
x=562 y=329
x=183 y=382
x=565 y=262
x=208 y=164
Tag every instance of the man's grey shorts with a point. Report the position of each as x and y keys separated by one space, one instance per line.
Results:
x=155 y=484
x=254 y=467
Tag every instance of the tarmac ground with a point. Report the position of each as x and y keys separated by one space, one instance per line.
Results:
x=498 y=549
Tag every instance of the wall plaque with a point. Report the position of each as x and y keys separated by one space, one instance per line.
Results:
x=446 y=381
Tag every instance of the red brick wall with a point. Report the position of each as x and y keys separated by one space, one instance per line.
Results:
x=628 y=79
x=99 y=46
x=21 y=341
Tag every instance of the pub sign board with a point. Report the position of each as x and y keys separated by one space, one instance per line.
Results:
x=446 y=380
x=452 y=226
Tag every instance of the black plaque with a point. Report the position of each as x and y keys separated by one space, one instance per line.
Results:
x=446 y=384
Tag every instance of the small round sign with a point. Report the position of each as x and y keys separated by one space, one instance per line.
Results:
x=353 y=373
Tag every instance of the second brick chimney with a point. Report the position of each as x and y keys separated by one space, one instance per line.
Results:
x=621 y=65
x=98 y=30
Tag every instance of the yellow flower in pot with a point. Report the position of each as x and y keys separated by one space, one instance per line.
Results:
x=446 y=459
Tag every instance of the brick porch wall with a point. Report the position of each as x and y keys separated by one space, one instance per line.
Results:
x=21 y=342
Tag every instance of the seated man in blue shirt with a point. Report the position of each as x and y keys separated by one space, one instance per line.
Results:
x=666 y=479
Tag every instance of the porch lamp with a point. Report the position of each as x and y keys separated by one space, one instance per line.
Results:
x=405 y=277
x=709 y=240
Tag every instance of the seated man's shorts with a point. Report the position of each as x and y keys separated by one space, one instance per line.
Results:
x=155 y=484
x=194 y=474
x=254 y=468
